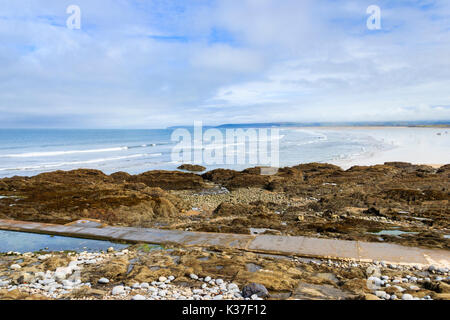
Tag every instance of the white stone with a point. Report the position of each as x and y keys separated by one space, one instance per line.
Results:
x=138 y=297
x=162 y=279
x=15 y=267
x=233 y=286
x=193 y=276
x=399 y=288
x=407 y=297
x=103 y=281
x=207 y=279
x=162 y=293
x=118 y=290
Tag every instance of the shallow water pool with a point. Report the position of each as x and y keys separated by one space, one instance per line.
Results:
x=31 y=242
x=395 y=233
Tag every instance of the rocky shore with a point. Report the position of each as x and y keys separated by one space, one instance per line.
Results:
x=145 y=273
x=395 y=202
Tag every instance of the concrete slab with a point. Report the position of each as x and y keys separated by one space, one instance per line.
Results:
x=392 y=253
x=284 y=245
x=308 y=247
x=280 y=244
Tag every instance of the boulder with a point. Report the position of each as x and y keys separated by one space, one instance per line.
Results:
x=192 y=167
x=255 y=288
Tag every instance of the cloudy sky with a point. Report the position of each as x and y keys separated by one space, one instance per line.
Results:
x=157 y=63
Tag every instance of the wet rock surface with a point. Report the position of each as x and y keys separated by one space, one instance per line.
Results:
x=394 y=202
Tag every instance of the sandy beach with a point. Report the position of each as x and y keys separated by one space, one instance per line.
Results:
x=418 y=145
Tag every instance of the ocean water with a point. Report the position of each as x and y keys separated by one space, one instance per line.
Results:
x=30 y=152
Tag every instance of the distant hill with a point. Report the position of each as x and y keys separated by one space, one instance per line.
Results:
x=445 y=123
x=341 y=124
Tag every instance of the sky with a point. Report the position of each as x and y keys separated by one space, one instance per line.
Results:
x=159 y=63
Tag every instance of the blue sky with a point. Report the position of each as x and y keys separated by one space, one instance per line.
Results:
x=150 y=64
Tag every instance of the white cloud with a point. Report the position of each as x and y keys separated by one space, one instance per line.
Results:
x=156 y=63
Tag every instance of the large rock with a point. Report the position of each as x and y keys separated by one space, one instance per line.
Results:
x=238 y=179
x=171 y=180
x=62 y=197
x=192 y=167
x=228 y=209
x=255 y=288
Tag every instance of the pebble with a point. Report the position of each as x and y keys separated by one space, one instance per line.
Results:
x=162 y=279
x=103 y=281
x=193 y=276
x=233 y=286
x=138 y=297
x=407 y=296
x=15 y=267
x=118 y=290
x=162 y=293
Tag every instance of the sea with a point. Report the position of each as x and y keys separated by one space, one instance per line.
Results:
x=28 y=152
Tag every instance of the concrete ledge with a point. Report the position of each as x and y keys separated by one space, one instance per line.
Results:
x=282 y=245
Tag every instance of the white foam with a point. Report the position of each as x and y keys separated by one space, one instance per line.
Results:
x=60 y=153
x=71 y=163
